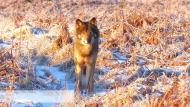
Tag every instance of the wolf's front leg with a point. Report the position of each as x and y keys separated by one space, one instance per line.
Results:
x=78 y=71
x=89 y=78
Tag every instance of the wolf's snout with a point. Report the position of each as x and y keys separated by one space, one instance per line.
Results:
x=84 y=41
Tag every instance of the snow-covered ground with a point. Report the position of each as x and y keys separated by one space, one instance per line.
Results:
x=36 y=98
x=144 y=47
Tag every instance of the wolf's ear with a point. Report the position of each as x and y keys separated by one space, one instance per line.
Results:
x=79 y=23
x=93 y=21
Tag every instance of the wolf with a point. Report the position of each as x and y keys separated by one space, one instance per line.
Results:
x=86 y=44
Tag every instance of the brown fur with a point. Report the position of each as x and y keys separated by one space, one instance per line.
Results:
x=85 y=52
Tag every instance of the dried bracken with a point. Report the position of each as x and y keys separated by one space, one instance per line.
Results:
x=143 y=58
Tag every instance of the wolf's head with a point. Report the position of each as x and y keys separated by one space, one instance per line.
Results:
x=86 y=32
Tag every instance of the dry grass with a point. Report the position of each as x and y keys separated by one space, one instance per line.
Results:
x=10 y=74
x=154 y=31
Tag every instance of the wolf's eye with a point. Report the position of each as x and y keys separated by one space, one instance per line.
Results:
x=93 y=34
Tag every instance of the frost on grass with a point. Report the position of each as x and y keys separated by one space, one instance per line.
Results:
x=143 y=59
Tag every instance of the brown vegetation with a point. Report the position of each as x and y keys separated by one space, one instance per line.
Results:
x=152 y=36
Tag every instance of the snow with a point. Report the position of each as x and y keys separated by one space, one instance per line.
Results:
x=4 y=44
x=21 y=98
x=32 y=105
x=58 y=75
x=141 y=61
x=105 y=69
x=53 y=70
x=1 y=41
x=120 y=57
x=38 y=32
